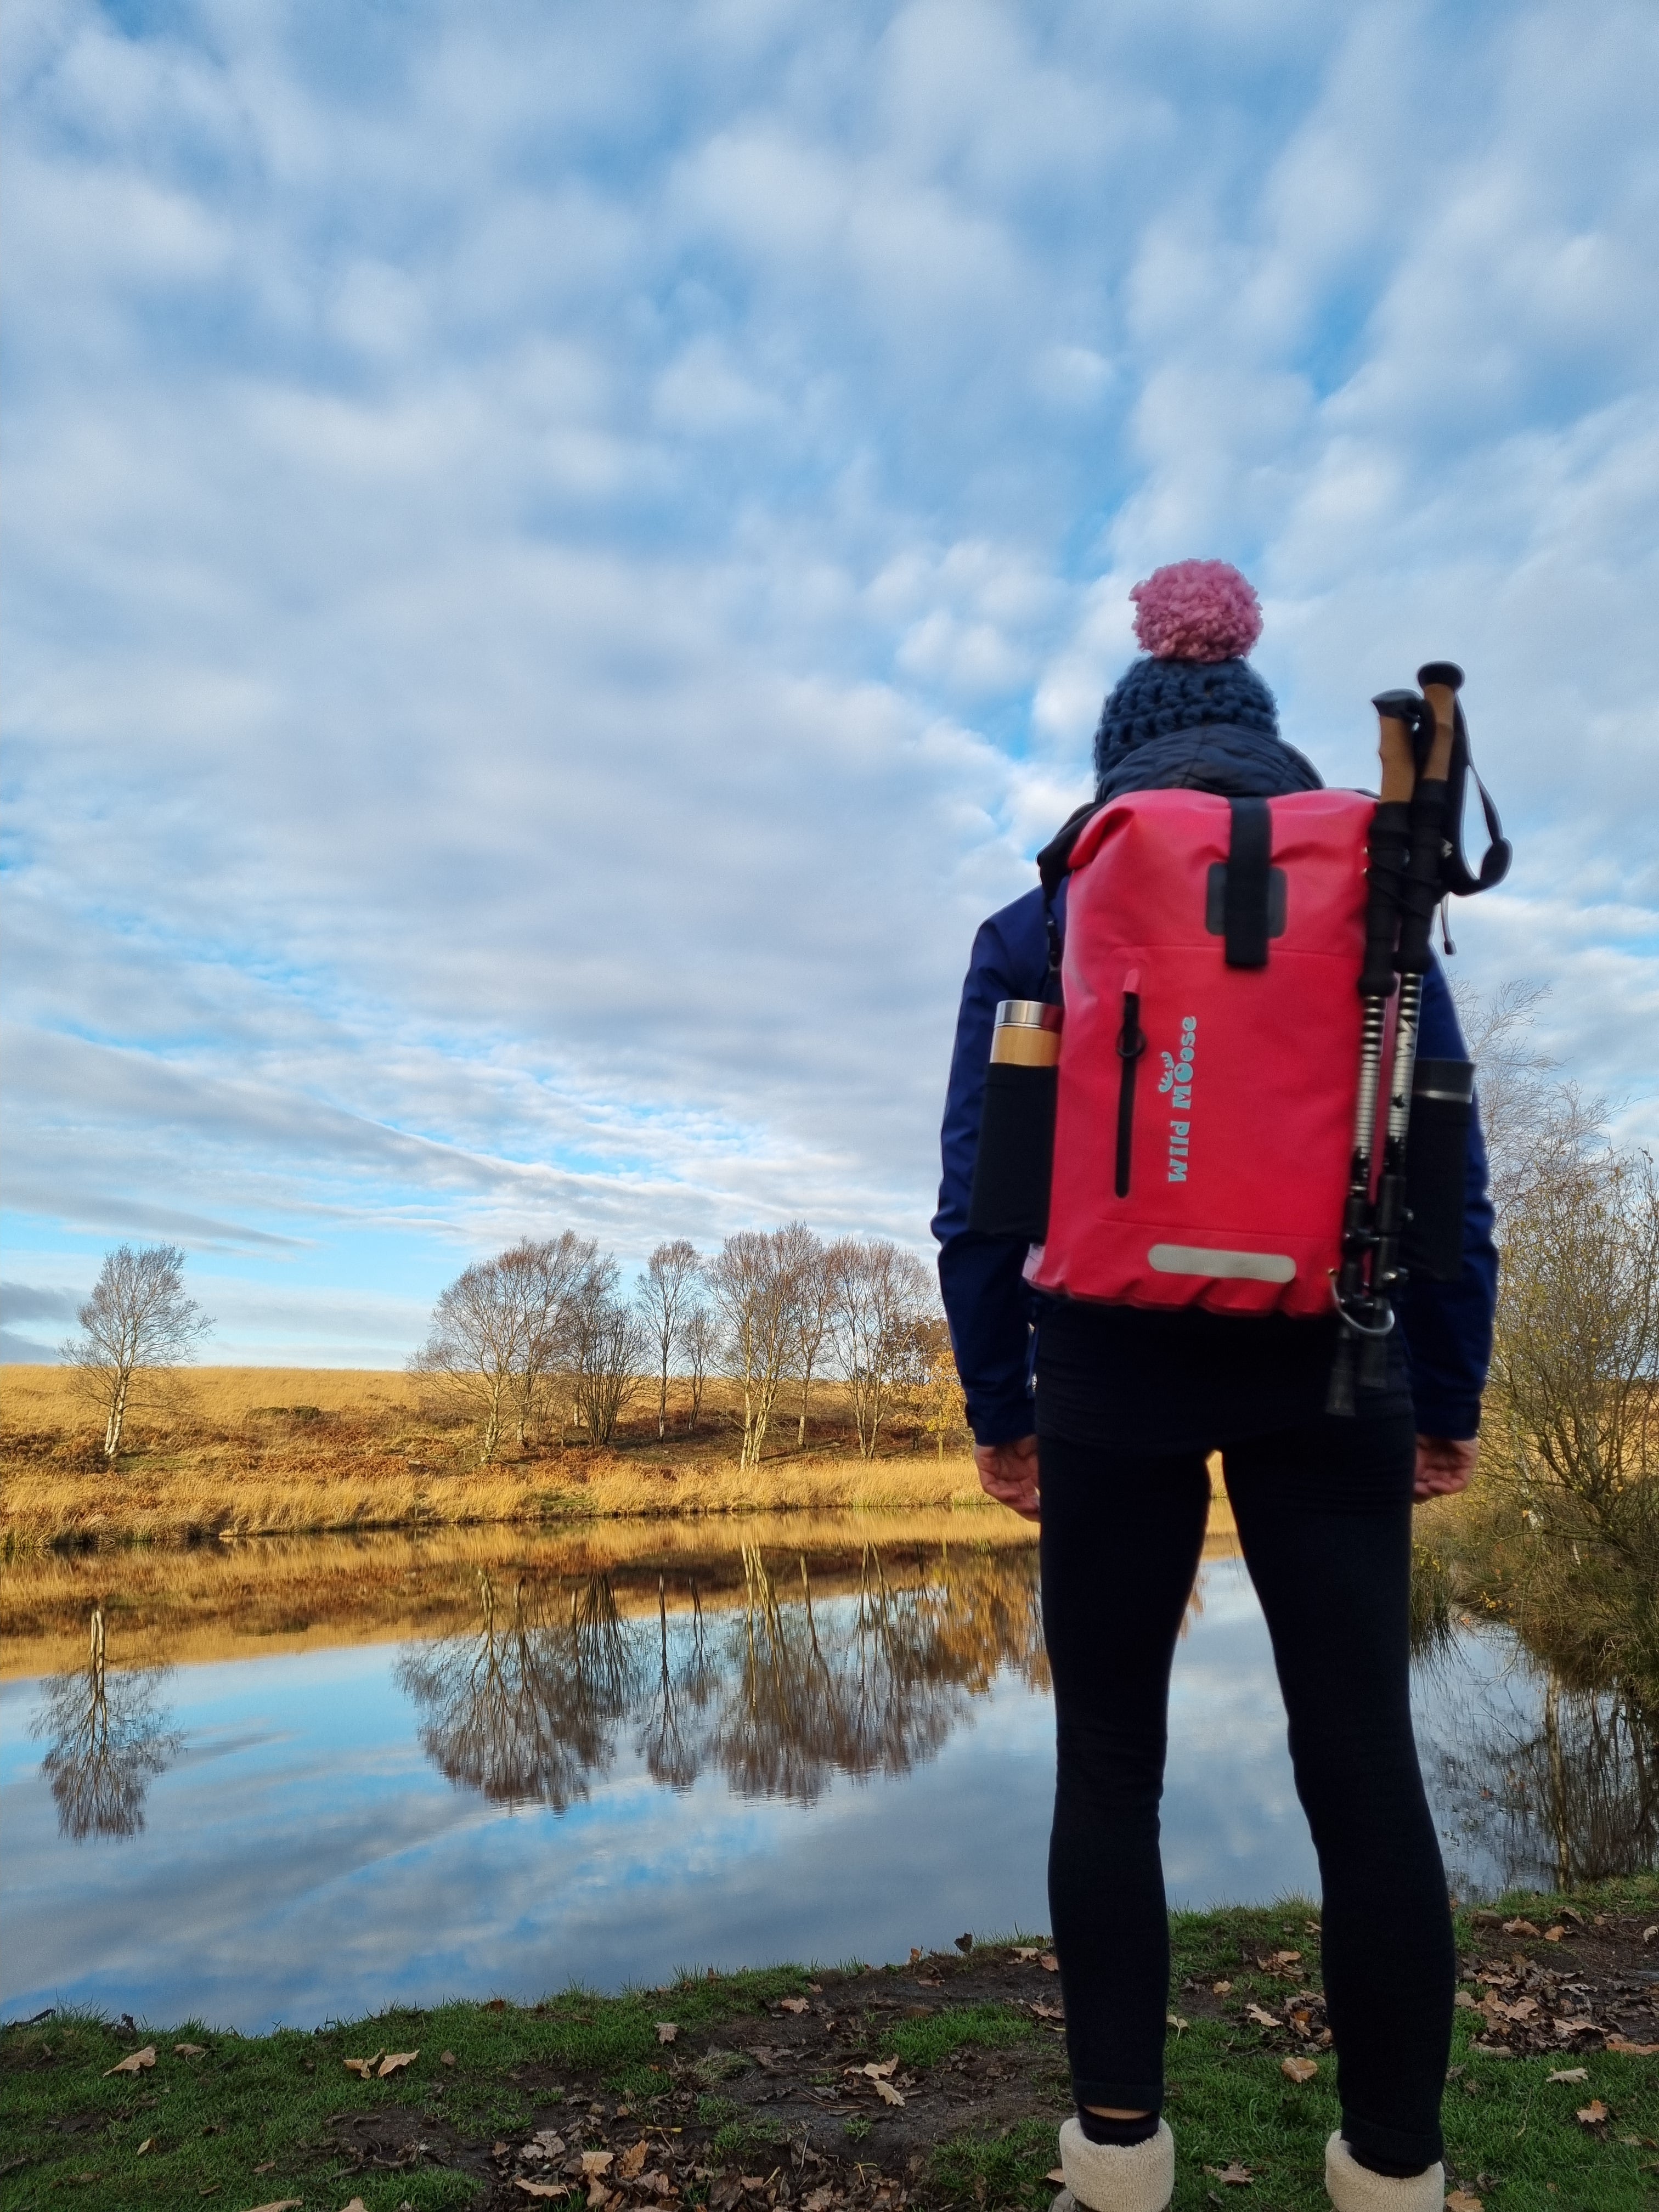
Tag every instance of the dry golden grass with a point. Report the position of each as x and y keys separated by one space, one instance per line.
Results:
x=246 y=1451
x=254 y=1451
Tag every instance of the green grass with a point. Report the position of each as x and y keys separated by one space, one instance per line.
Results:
x=985 y=2027
x=267 y=2099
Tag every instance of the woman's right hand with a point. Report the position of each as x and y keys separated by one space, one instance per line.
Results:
x=1008 y=1472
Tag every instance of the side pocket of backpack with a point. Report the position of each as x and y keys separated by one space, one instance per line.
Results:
x=1131 y=1049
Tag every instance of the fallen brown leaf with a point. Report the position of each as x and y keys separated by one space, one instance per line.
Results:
x=395 y=2061
x=1049 y=1963
x=597 y=2194
x=446 y=2058
x=1261 y=2019
x=1568 y=2073
x=1519 y=1928
x=882 y=2072
x=541 y=2188
x=632 y=2160
x=1553 y=1934
x=282 y=2204
x=1025 y=1952
x=1592 y=2114
x=270 y=2166
x=1238 y=2177
x=362 y=2067
x=1048 y=2011
x=1174 y=2020
x=597 y=2161
x=1221 y=1989
x=1284 y=1958
x=794 y=2004
x=1626 y=2049
x=888 y=2093
x=356 y=2205
x=667 y=2030
x=1647 y=1934
x=819 y=2200
x=190 y=2051
x=136 y=2062
x=1299 y=2069
x=144 y=2146
x=1459 y=2200
x=1465 y=2003
x=1055 y=2173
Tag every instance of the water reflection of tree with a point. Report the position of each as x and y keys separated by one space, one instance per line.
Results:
x=108 y=1738
x=525 y=1709
x=1562 y=1790
x=783 y=1693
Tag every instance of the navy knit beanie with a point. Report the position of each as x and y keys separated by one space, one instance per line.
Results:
x=1198 y=620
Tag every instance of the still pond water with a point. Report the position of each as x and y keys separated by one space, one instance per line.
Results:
x=503 y=1766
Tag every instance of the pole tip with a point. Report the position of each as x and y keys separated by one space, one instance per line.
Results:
x=1441 y=671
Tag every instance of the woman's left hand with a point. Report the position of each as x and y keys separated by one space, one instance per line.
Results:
x=1445 y=1464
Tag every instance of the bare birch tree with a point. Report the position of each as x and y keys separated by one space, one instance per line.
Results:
x=608 y=1343
x=880 y=1293
x=551 y=1273
x=138 y=1322
x=753 y=1282
x=480 y=1335
x=699 y=1345
x=809 y=1257
x=666 y=1291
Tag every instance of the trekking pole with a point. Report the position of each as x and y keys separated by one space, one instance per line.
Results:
x=1388 y=853
x=1440 y=680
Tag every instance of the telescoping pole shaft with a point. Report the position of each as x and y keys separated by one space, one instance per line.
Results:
x=1388 y=853
x=1440 y=680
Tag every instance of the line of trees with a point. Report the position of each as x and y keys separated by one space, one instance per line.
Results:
x=545 y=1327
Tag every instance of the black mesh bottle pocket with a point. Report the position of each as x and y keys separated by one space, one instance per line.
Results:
x=1014 y=1165
x=1437 y=1154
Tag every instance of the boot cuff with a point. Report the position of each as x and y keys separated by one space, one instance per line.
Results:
x=1354 y=2188
x=1118 y=2177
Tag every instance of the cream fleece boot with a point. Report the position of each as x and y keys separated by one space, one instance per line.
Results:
x=1115 y=2177
x=1354 y=2188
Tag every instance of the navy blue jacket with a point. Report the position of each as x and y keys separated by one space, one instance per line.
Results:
x=1447 y=1326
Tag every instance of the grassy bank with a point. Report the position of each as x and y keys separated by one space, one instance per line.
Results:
x=939 y=2082
x=261 y=1451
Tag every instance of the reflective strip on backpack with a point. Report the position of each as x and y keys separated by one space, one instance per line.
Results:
x=1198 y=1259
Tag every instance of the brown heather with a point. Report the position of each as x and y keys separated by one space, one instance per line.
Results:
x=241 y=1451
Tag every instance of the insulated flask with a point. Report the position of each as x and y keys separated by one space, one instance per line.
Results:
x=1436 y=1150
x=1016 y=1158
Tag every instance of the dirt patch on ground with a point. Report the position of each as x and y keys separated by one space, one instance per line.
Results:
x=842 y=2094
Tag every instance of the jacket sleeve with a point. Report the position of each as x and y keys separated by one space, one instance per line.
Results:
x=1448 y=1326
x=987 y=1303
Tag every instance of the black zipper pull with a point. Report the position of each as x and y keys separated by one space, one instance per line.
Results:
x=1130 y=1044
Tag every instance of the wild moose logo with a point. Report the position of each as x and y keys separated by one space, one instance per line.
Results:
x=1176 y=1082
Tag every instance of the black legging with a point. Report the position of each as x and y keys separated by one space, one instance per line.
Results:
x=1324 y=1517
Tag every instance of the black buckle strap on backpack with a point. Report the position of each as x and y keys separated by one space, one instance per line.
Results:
x=1456 y=876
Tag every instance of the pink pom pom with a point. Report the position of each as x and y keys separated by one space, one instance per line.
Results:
x=1197 y=611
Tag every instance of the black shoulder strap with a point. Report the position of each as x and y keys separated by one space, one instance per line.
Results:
x=1055 y=858
x=1052 y=862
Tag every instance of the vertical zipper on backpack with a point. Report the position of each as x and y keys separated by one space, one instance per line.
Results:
x=1130 y=1044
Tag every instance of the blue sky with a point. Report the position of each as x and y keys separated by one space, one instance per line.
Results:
x=559 y=558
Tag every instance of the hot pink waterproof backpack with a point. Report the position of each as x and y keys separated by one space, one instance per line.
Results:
x=1209 y=1053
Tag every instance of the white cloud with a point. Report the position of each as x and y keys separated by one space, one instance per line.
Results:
x=557 y=566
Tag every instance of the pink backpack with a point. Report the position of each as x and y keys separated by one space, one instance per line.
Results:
x=1208 y=1063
